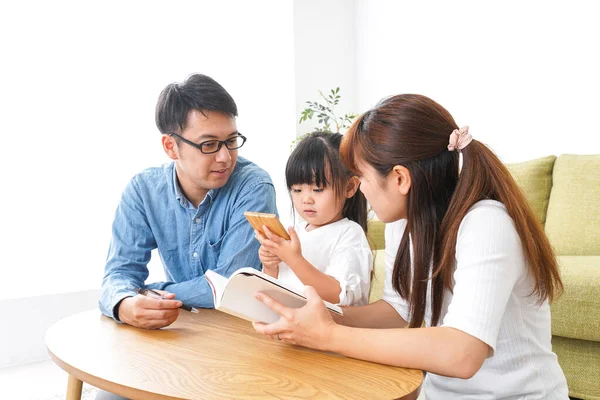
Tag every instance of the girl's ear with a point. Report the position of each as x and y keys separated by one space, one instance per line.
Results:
x=401 y=179
x=352 y=186
x=169 y=146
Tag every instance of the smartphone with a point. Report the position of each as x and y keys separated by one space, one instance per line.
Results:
x=257 y=220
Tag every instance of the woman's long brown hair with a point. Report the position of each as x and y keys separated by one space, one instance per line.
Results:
x=413 y=131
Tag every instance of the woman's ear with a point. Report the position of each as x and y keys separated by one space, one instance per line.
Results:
x=352 y=186
x=169 y=146
x=401 y=179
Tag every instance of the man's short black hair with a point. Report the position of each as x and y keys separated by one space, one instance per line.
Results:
x=198 y=92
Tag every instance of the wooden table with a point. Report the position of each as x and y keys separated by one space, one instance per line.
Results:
x=211 y=355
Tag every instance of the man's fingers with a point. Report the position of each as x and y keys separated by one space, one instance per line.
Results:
x=166 y=294
x=279 y=308
x=158 y=304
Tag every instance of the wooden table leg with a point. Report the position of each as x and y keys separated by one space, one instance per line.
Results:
x=74 y=388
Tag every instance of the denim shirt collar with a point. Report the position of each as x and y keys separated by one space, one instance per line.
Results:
x=185 y=203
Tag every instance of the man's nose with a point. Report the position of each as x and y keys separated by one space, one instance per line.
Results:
x=223 y=154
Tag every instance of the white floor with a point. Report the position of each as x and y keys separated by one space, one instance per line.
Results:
x=37 y=381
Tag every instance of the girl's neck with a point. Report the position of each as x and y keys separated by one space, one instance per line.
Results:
x=311 y=227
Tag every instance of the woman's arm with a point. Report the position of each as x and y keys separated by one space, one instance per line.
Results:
x=379 y=314
x=440 y=350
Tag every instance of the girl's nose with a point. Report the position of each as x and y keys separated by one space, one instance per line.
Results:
x=307 y=200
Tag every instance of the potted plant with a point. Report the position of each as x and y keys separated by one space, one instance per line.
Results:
x=324 y=111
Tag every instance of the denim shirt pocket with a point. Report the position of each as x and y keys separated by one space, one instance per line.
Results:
x=214 y=250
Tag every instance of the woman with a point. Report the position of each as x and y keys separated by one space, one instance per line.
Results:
x=473 y=273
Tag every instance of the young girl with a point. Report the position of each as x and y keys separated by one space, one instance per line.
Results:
x=471 y=273
x=330 y=251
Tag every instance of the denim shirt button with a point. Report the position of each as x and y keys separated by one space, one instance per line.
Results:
x=195 y=255
x=197 y=220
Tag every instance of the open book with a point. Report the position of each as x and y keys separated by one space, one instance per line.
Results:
x=235 y=295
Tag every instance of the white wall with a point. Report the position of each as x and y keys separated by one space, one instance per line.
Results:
x=325 y=54
x=26 y=320
x=79 y=85
x=522 y=74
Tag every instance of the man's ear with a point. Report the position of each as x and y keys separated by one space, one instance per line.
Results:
x=352 y=186
x=401 y=179
x=170 y=147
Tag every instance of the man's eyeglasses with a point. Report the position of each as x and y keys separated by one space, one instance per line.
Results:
x=213 y=146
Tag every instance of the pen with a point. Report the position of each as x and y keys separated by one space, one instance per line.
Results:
x=156 y=295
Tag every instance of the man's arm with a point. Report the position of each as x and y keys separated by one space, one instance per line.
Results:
x=129 y=252
x=239 y=248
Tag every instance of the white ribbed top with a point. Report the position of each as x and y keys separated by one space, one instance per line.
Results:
x=491 y=302
x=340 y=250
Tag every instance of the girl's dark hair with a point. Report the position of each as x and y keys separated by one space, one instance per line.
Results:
x=197 y=93
x=316 y=160
x=413 y=131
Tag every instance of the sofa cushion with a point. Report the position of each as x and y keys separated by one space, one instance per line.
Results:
x=376 y=234
x=580 y=361
x=534 y=177
x=573 y=218
x=378 y=277
x=576 y=314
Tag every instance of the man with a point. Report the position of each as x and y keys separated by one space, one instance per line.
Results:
x=191 y=209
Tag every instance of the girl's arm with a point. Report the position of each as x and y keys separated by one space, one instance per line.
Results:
x=327 y=287
x=270 y=262
x=290 y=252
x=379 y=314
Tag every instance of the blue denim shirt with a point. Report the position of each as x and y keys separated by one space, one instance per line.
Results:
x=154 y=213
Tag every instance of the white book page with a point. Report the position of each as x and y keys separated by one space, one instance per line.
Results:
x=238 y=298
x=217 y=283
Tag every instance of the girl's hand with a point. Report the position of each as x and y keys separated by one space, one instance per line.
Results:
x=309 y=326
x=286 y=250
x=267 y=258
x=270 y=261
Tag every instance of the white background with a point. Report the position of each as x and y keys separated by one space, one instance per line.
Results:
x=524 y=75
x=79 y=84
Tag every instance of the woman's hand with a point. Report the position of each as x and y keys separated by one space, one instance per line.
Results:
x=287 y=250
x=309 y=326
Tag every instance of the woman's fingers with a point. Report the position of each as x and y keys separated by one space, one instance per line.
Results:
x=276 y=306
x=273 y=329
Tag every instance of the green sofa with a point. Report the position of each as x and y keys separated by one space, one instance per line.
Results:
x=564 y=193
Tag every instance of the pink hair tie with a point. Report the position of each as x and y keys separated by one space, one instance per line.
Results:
x=459 y=139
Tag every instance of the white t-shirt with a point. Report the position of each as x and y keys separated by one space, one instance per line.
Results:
x=490 y=302
x=340 y=250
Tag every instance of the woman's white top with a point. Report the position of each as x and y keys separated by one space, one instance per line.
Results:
x=340 y=250
x=490 y=302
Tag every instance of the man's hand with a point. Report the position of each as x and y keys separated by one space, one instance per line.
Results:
x=149 y=313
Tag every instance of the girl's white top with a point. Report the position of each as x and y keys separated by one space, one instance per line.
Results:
x=340 y=250
x=491 y=302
